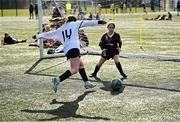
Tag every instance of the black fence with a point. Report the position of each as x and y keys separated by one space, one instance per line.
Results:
x=14 y=5
x=153 y=5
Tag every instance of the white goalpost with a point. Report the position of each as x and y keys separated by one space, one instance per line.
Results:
x=40 y=27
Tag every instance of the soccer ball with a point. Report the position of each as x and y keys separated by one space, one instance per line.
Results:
x=116 y=84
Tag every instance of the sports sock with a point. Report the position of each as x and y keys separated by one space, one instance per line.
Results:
x=118 y=65
x=96 y=70
x=65 y=75
x=83 y=74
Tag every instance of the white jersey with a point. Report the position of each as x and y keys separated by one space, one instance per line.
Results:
x=67 y=34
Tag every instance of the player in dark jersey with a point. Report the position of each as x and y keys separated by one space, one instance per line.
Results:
x=111 y=46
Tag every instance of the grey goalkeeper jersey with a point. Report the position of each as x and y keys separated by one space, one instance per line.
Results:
x=67 y=34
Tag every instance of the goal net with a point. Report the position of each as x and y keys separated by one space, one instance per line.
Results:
x=51 y=15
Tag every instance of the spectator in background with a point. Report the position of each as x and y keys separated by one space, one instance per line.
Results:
x=169 y=16
x=152 y=5
x=144 y=7
x=80 y=9
x=56 y=13
x=121 y=6
x=97 y=16
x=90 y=16
x=161 y=17
x=124 y=6
x=36 y=10
x=57 y=22
x=74 y=9
x=178 y=7
x=130 y=8
x=50 y=42
x=31 y=9
x=84 y=42
x=9 y=40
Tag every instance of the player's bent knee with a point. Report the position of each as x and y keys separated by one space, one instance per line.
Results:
x=73 y=71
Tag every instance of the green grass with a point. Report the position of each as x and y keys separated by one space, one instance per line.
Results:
x=151 y=92
x=13 y=12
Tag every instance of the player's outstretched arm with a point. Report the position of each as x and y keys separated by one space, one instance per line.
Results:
x=86 y=23
x=46 y=35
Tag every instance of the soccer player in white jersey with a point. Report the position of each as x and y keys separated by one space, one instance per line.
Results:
x=67 y=34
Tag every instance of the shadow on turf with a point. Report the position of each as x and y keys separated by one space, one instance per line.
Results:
x=67 y=110
x=152 y=87
x=39 y=72
x=107 y=84
x=107 y=87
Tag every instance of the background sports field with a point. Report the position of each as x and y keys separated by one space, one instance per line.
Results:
x=151 y=92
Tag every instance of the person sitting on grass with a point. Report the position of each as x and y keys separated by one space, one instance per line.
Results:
x=164 y=17
x=169 y=16
x=55 y=23
x=159 y=17
x=9 y=40
x=83 y=38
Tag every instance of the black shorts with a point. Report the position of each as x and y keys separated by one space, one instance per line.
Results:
x=73 y=53
x=109 y=54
